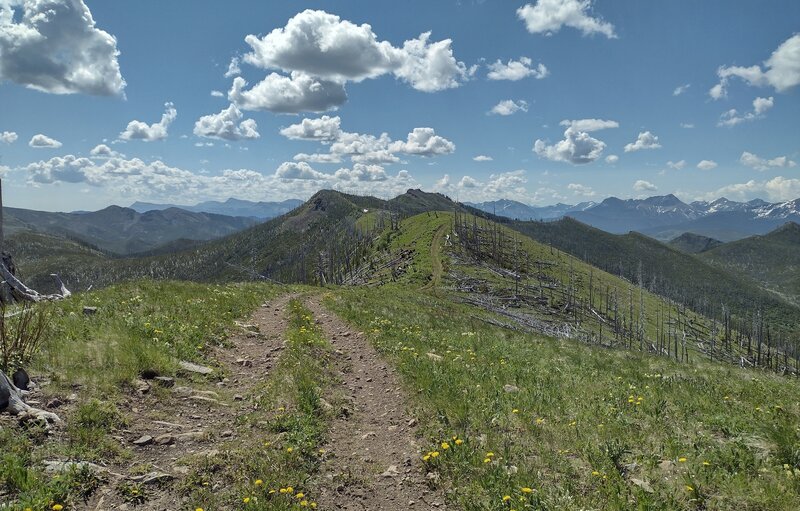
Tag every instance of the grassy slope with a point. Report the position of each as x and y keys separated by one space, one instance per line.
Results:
x=773 y=259
x=703 y=436
x=667 y=271
x=693 y=243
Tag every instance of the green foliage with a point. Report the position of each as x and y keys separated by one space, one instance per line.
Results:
x=583 y=427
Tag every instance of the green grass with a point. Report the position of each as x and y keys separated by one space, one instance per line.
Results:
x=703 y=436
x=138 y=326
x=273 y=469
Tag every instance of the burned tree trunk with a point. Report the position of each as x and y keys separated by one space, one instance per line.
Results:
x=12 y=401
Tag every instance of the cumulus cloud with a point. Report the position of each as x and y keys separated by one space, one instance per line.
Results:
x=157 y=180
x=577 y=148
x=516 y=70
x=226 y=125
x=612 y=159
x=732 y=116
x=321 y=53
x=423 y=142
x=509 y=107
x=762 y=164
x=324 y=129
x=292 y=94
x=589 y=124
x=676 y=165
x=707 y=165
x=681 y=89
x=777 y=189
x=233 y=68
x=644 y=186
x=548 y=16
x=482 y=157
x=44 y=142
x=54 y=46
x=103 y=151
x=138 y=130
x=582 y=190
x=217 y=94
x=469 y=182
x=8 y=137
x=318 y=158
x=645 y=140
x=780 y=71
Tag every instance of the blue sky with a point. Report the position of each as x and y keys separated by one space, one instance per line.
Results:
x=665 y=74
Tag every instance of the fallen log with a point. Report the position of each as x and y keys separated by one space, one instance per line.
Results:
x=12 y=401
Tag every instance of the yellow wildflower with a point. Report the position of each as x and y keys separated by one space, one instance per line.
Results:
x=689 y=488
x=487 y=460
x=445 y=446
x=459 y=441
x=246 y=500
x=258 y=482
x=434 y=454
x=515 y=410
x=57 y=507
x=526 y=490
x=506 y=498
x=289 y=449
x=682 y=459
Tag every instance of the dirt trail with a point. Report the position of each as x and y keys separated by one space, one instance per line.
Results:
x=374 y=463
x=194 y=418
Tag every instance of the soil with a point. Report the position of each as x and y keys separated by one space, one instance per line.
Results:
x=375 y=461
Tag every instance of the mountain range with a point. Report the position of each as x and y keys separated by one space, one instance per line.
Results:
x=663 y=217
x=231 y=207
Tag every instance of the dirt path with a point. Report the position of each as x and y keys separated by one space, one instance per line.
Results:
x=193 y=417
x=374 y=459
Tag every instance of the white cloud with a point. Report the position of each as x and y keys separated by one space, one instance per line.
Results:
x=103 y=151
x=324 y=128
x=509 y=107
x=482 y=157
x=8 y=137
x=226 y=125
x=548 y=16
x=612 y=159
x=468 y=182
x=645 y=140
x=375 y=157
x=157 y=180
x=577 y=148
x=321 y=53
x=781 y=70
x=54 y=46
x=589 y=124
x=217 y=94
x=356 y=143
x=777 y=189
x=431 y=67
x=318 y=158
x=4 y=170
x=516 y=70
x=707 y=165
x=644 y=186
x=44 y=142
x=300 y=170
x=687 y=125
x=423 y=142
x=288 y=95
x=681 y=89
x=233 y=68
x=676 y=165
x=762 y=164
x=138 y=130
x=582 y=190
x=732 y=117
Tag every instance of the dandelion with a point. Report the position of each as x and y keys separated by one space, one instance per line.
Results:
x=689 y=488
x=595 y=473
x=289 y=489
x=289 y=450
x=445 y=446
x=313 y=505
x=57 y=507
x=506 y=498
x=459 y=441
x=490 y=455
x=435 y=454
x=258 y=482
x=487 y=460
x=526 y=490
x=426 y=457
x=682 y=459
x=282 y=490
x=246 y=500
x=515 y=410
x=300 y=495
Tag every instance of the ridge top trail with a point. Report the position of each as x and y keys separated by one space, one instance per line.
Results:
x=374 y=457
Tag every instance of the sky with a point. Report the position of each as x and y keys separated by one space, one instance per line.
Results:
x=543 y=101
